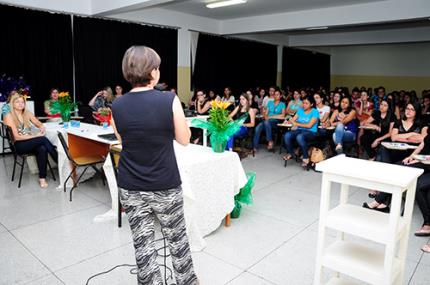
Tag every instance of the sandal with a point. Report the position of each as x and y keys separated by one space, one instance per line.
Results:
x=422 y=233
x=270 y=146
x=43 y=184
x=426 y=248
x=305 y=163
x=287 y=157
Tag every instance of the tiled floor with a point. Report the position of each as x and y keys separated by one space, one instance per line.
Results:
x=45 y=239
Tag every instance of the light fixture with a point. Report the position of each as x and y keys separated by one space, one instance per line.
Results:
x=224 y=3
x=316 y=28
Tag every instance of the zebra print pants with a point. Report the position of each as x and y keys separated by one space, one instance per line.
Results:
x=141 y=208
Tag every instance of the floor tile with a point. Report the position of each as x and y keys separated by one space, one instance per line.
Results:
x=17 y=265
x=70 y=239
x=40 y=206
x=49 y=280
x=211 y=270
x=248 y=239
x=248 y=278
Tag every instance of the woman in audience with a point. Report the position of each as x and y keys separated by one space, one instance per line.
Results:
x=202 y=103
x=48 y=104
x=103 y=99
x=275 y=111
x=6 y=106
x=250 y=95
x=408 y=130
x=393 y=102
x=213 y=96
x=323 y=110
x=295 y=104
x=336 y=101
x=305 y=127
x=259 y=97
x=363 y=107
x=422 y=195
x=118 y=91
x=344 y=119
x=243 y=109
x=29 y=135
x=382 y=123
x=227 y=96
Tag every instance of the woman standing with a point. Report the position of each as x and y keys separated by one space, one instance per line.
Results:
x=28 y=139
x=147 y=121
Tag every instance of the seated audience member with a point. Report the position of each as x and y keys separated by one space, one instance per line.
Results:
x=355 y=95
x=103 y=99
x=393 y=102
x=336 y=101
x=6 y=106
x=363 y=107
x=29 y=135
x=259 y=97
x=305 y=127
x=295 y=104
x=422 y=195
x=254 y=105
x=408 y=130
x=243 y=109
x=227 y=96
x=118 y=91
x=344 y=119
x=202 y=103
x=275 y=111
x=382 y=123
x=49 y=104
x=213 y=96
x=267 y=99
x=323 y=110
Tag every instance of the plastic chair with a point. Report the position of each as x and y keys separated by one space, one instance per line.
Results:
x=82 y=161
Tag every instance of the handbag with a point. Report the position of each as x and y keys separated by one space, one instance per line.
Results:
x=316 y=155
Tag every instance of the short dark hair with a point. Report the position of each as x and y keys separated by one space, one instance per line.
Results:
x=310 y=99
x=138 y=63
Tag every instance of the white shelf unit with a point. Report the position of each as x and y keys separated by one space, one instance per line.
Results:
x=359 y=261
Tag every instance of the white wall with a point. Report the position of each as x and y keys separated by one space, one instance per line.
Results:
x=382 y=60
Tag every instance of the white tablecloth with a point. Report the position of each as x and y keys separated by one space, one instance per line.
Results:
x=209 y=182
x=85 y=130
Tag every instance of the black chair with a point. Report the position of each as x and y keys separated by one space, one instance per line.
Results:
x=22 y=156
x=82 y=161
x=3 y=135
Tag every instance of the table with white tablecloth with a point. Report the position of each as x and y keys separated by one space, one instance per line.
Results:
x=209 y=182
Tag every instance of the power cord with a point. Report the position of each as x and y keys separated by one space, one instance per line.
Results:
x=134 y=270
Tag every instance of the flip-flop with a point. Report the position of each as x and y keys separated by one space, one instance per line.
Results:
x=287 y=157
x=426 y=248
x=422 y=233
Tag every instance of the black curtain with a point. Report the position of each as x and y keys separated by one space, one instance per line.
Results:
x=38 y=46
x=99 y=46
x=302 y=68
x=239 y=64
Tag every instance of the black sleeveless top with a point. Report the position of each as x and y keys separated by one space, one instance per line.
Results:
x=145 y=122
x=239 y=115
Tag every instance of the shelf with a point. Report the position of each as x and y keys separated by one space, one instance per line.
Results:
x=364 y=223
x=340 y=281
x=358 y=261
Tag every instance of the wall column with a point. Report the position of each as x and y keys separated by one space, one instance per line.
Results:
x=184 y=69
x=279 y=68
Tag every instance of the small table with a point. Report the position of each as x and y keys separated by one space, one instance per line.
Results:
x=359 y=261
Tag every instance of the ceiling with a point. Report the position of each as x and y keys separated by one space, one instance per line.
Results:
x=254 y=7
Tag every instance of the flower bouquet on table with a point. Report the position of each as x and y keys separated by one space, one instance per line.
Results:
x=219 y=126
x=64 y=106
x=103 y=115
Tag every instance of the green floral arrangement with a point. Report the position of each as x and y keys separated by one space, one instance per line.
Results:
x=219 y=126
x=64 y=106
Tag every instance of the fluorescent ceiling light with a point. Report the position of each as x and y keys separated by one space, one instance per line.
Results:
x=224 y=3
x=316 y=28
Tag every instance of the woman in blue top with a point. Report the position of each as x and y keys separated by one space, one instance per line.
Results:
x=294 y=104
x=305 y=127
x=274 y=112
x=344 y=119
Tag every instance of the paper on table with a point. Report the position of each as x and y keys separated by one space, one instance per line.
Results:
x=398 y=145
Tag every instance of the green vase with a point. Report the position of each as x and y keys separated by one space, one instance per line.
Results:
x=65 y=116
x=218 y=146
